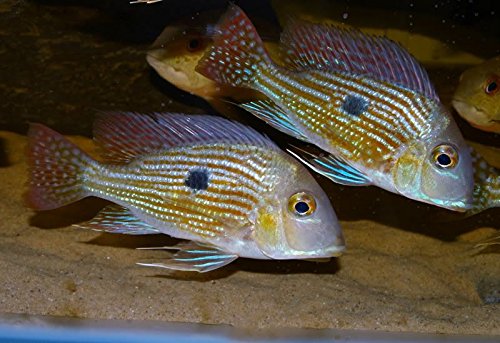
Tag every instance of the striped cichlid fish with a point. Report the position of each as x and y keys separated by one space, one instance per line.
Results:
x=486 y=185
x=228 y=189
x=477 y=97
x=365 y=100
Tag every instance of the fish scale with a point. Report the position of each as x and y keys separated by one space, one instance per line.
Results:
x=372 y=129
x=487 y=185
x=151 y=184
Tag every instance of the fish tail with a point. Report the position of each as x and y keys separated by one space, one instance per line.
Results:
x=238 y=53
x=56 y=169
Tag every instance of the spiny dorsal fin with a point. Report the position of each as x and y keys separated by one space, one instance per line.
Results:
x=123 y=136
x=238 y=54
x=329 y=47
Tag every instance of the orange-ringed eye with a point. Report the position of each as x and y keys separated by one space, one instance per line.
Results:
x=445 y=156
x=301 y=204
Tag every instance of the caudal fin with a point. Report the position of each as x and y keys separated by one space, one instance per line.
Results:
x=56 y=168
x=238 y=54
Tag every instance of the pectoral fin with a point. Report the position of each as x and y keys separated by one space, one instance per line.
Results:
x=333 y=168
x=195 y=257
x=118 y=219
x=272 y=114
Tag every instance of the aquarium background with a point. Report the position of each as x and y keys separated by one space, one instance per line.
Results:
x=408 y=267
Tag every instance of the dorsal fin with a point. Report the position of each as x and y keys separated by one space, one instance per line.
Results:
x=329 y=47
x=123 y=136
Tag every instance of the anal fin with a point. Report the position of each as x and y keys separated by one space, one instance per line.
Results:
x=118 y=219
x=332 y=167
x=193 y=256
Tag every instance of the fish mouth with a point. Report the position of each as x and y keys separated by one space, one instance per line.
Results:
x=322 y=253
x=169 y=72
x=155 y=54
x=473 y=114
x=332 y=251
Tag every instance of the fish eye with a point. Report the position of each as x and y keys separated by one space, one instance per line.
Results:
x=492 y=85
x=445 y=156
x=301 y=204
x=194 y=44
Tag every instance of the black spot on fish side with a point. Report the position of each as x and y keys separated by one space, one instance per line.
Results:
x=354 y=105
x=197 y=179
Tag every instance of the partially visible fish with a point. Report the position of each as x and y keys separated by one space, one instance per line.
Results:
x=486 y=194
x=486 y=185
x=229 y=190
x=176 y=52
x=477 y=97
x=174 y=56
x=363 y=99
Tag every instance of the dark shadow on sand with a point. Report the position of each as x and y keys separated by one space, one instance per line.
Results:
x=65 y=216
x=133 y=241
x=241 y=264
x=276 y=267
x=4 y=159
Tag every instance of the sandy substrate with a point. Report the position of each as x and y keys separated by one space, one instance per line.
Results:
x=395 y=276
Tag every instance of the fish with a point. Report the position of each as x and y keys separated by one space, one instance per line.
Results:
x=224 y=187
x=174 y=55
x=486 y=196
x=176 y=52
x=362 y=99
x=486 y=185
x=477 y=97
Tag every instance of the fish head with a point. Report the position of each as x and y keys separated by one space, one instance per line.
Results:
x=175 y=54
x=438 y=168
x=477 y=97
x=299 y=221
